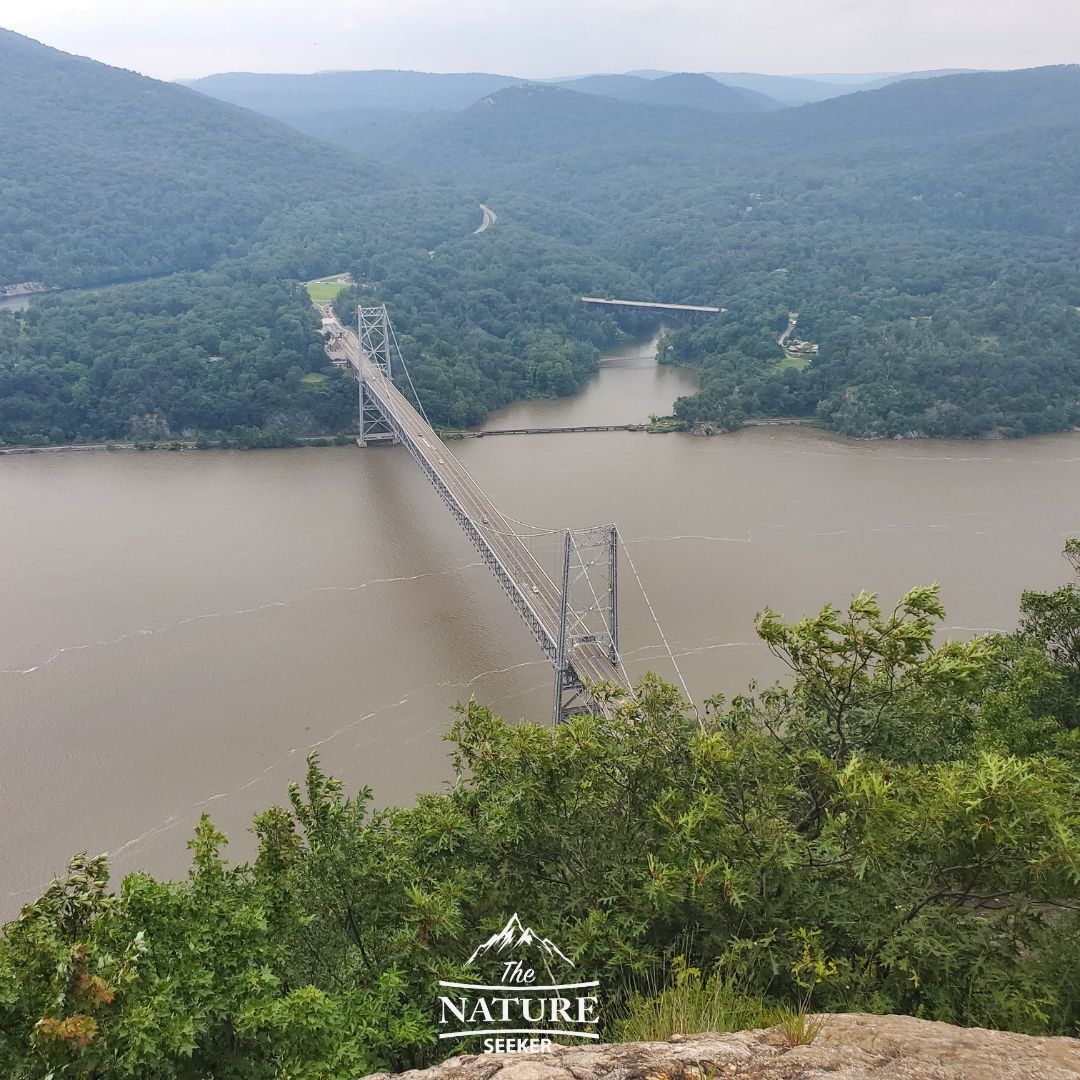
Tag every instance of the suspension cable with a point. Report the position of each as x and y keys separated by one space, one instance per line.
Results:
x=536 y=530
x=652 y=612
x=408 y=375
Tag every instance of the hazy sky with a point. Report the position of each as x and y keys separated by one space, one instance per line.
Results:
x=177 y=38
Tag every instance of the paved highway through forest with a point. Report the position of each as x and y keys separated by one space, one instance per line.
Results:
x=490 y=217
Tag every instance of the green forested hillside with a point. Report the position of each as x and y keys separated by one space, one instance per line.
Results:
x=113 y=177
x=926 y=234
x=106 y=175
x=198 y=352
x=490 y=319
x=482 y=321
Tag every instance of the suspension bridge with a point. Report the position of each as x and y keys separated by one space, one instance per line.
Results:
x=575 y=619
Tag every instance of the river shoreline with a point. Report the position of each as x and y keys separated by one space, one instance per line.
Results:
x=486 y=428
x=171 y=446
x=323 y=441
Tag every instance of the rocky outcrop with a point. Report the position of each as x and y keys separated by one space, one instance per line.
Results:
x=850 y=1047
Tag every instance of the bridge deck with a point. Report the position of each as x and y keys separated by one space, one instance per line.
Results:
x=524 y=580
x=649 y=305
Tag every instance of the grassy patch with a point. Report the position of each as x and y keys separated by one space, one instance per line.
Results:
x=798 y=1026
x=313 y=378
x=797 y=363
x=691 y=1003
x=325 y=290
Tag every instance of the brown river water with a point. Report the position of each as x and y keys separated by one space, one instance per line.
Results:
x=179 y=630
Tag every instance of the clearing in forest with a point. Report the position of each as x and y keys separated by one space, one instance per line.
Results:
x=324 y=290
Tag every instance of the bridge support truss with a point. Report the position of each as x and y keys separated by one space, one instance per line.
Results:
x=373 y=331
x=590 y=560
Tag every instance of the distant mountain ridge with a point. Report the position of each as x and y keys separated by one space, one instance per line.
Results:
x=694 y=91
x=507 y=133
x=409 y=91
x=804 y=89
x=290 y=97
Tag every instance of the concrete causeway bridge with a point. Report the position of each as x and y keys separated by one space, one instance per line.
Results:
x=577 y=631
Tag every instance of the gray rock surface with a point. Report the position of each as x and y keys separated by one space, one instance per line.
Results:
x=850 y=1047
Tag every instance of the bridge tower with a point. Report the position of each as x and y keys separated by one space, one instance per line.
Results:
x=588 y=611
x=373 y=332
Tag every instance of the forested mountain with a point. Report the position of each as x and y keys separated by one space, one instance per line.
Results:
x=110 y=176
x=502 y=135
x=408 y=91
x=920 y=111
x=691 y=91
x=106 y=175
x=925 y=232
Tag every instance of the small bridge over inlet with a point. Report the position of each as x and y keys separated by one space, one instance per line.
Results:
x=575 y=620
x=684 y=311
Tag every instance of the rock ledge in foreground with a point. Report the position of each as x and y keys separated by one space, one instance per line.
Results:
x=853 y=1046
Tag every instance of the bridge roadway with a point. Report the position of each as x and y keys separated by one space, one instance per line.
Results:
x=649 y=305
x=524 y=580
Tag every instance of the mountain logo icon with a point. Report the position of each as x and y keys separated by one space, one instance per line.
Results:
x=514 y=936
